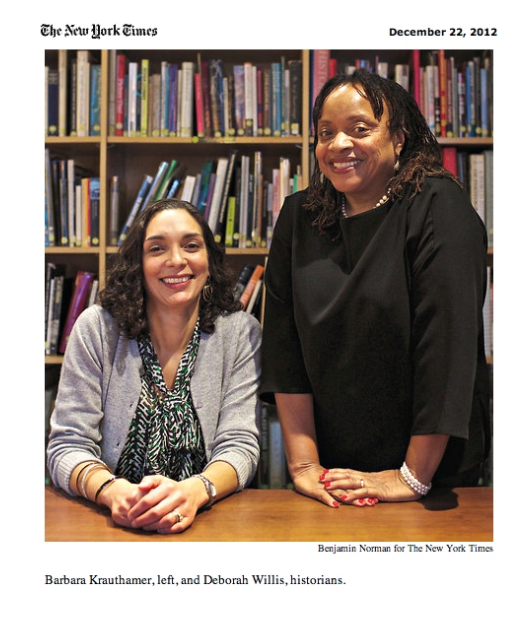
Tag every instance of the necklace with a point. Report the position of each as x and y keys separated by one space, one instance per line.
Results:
x=383 y=200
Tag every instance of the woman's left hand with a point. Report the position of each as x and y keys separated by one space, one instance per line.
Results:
x=353 y=487
x=167 y=506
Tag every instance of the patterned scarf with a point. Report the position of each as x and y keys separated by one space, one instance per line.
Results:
x=165 y=436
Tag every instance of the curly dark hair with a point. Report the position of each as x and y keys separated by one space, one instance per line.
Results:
x=420 y=156
x=124 y=295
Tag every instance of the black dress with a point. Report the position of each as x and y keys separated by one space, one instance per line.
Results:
x=384 y=327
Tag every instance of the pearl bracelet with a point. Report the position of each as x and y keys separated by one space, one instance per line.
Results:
x=412 y=482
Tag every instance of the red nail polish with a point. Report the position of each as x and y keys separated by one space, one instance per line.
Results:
x=344 y=497
x=336 y=504
x=327 y=484
x=322 y=477
x=360 y=501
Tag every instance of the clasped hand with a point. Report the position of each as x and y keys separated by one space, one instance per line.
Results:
x=156 y=504
x=348 y=486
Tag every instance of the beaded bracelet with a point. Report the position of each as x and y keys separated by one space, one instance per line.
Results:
x=103 y=486
x=412 y=482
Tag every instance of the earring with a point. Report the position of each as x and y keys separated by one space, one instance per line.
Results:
x=397 y=165
x=207 y=292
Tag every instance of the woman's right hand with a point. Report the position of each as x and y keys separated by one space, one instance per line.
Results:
x=120 y=496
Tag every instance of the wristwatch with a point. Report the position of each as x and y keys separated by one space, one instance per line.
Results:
x=210 y=489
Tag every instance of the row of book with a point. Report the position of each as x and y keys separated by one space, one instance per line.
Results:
x=72 y=204
x=65 y=299
x=239 y=204
x=475 y=172
x=73 y=95
x=455 y=97
x=204 y=98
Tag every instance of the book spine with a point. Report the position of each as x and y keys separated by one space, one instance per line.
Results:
x=120 y=94
x=137 y=206
x=95 y=95
x=78 y=302
x=52 y=102
x=250 y=288
x=144 y=97
x=94 y=209
x=113 y=210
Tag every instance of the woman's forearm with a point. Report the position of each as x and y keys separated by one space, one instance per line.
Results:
x=424 y=455
x=295 y=413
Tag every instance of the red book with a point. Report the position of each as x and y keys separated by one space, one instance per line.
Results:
x=251 y=284
x=77 y=305
x=120 y=94
x=449 y=159
x=199 y=105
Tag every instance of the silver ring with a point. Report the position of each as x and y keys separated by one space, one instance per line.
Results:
x=179 y=517
x=361 y=483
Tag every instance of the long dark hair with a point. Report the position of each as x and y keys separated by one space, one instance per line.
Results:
x=420 y=156
x=124 y=295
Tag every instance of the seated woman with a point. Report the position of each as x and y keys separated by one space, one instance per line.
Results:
x=156 y=414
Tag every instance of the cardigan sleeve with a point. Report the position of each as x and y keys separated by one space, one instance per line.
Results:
x=225 y=392
x=75 y=433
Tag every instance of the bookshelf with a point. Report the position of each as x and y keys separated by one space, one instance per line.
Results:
x=129 y=154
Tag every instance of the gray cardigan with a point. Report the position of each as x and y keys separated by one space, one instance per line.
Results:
x=100 y=386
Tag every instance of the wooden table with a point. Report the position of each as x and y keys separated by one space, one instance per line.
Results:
x=464 y=514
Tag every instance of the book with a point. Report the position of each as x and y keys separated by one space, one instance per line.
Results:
x=477 y=183
x=219 y=230
x=138 y=204
x=449 y=159
x=49 y=202
x=77 y=304
x=166 y=181
x=277 y=457
x=243 y=279
x=83 y=82
x=94 y=210
x=254 y=297
x=120 y=94
x=221 y=169
x=94 y=100
x=62 y=92
x=216 y=75
x=144 y=97
x=250 y=287
x=114 y=203
x=111 y=92
x=53 y=271
x=52 y=102
x=186 y=105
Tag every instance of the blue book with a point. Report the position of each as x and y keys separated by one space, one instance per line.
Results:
x=94 y=108
x=137 y=206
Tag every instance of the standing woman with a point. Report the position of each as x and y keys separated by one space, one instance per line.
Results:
x=373 y=337
x=156 y=414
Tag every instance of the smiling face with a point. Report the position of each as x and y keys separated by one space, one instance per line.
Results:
x=355 y=151
x=174 y=261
